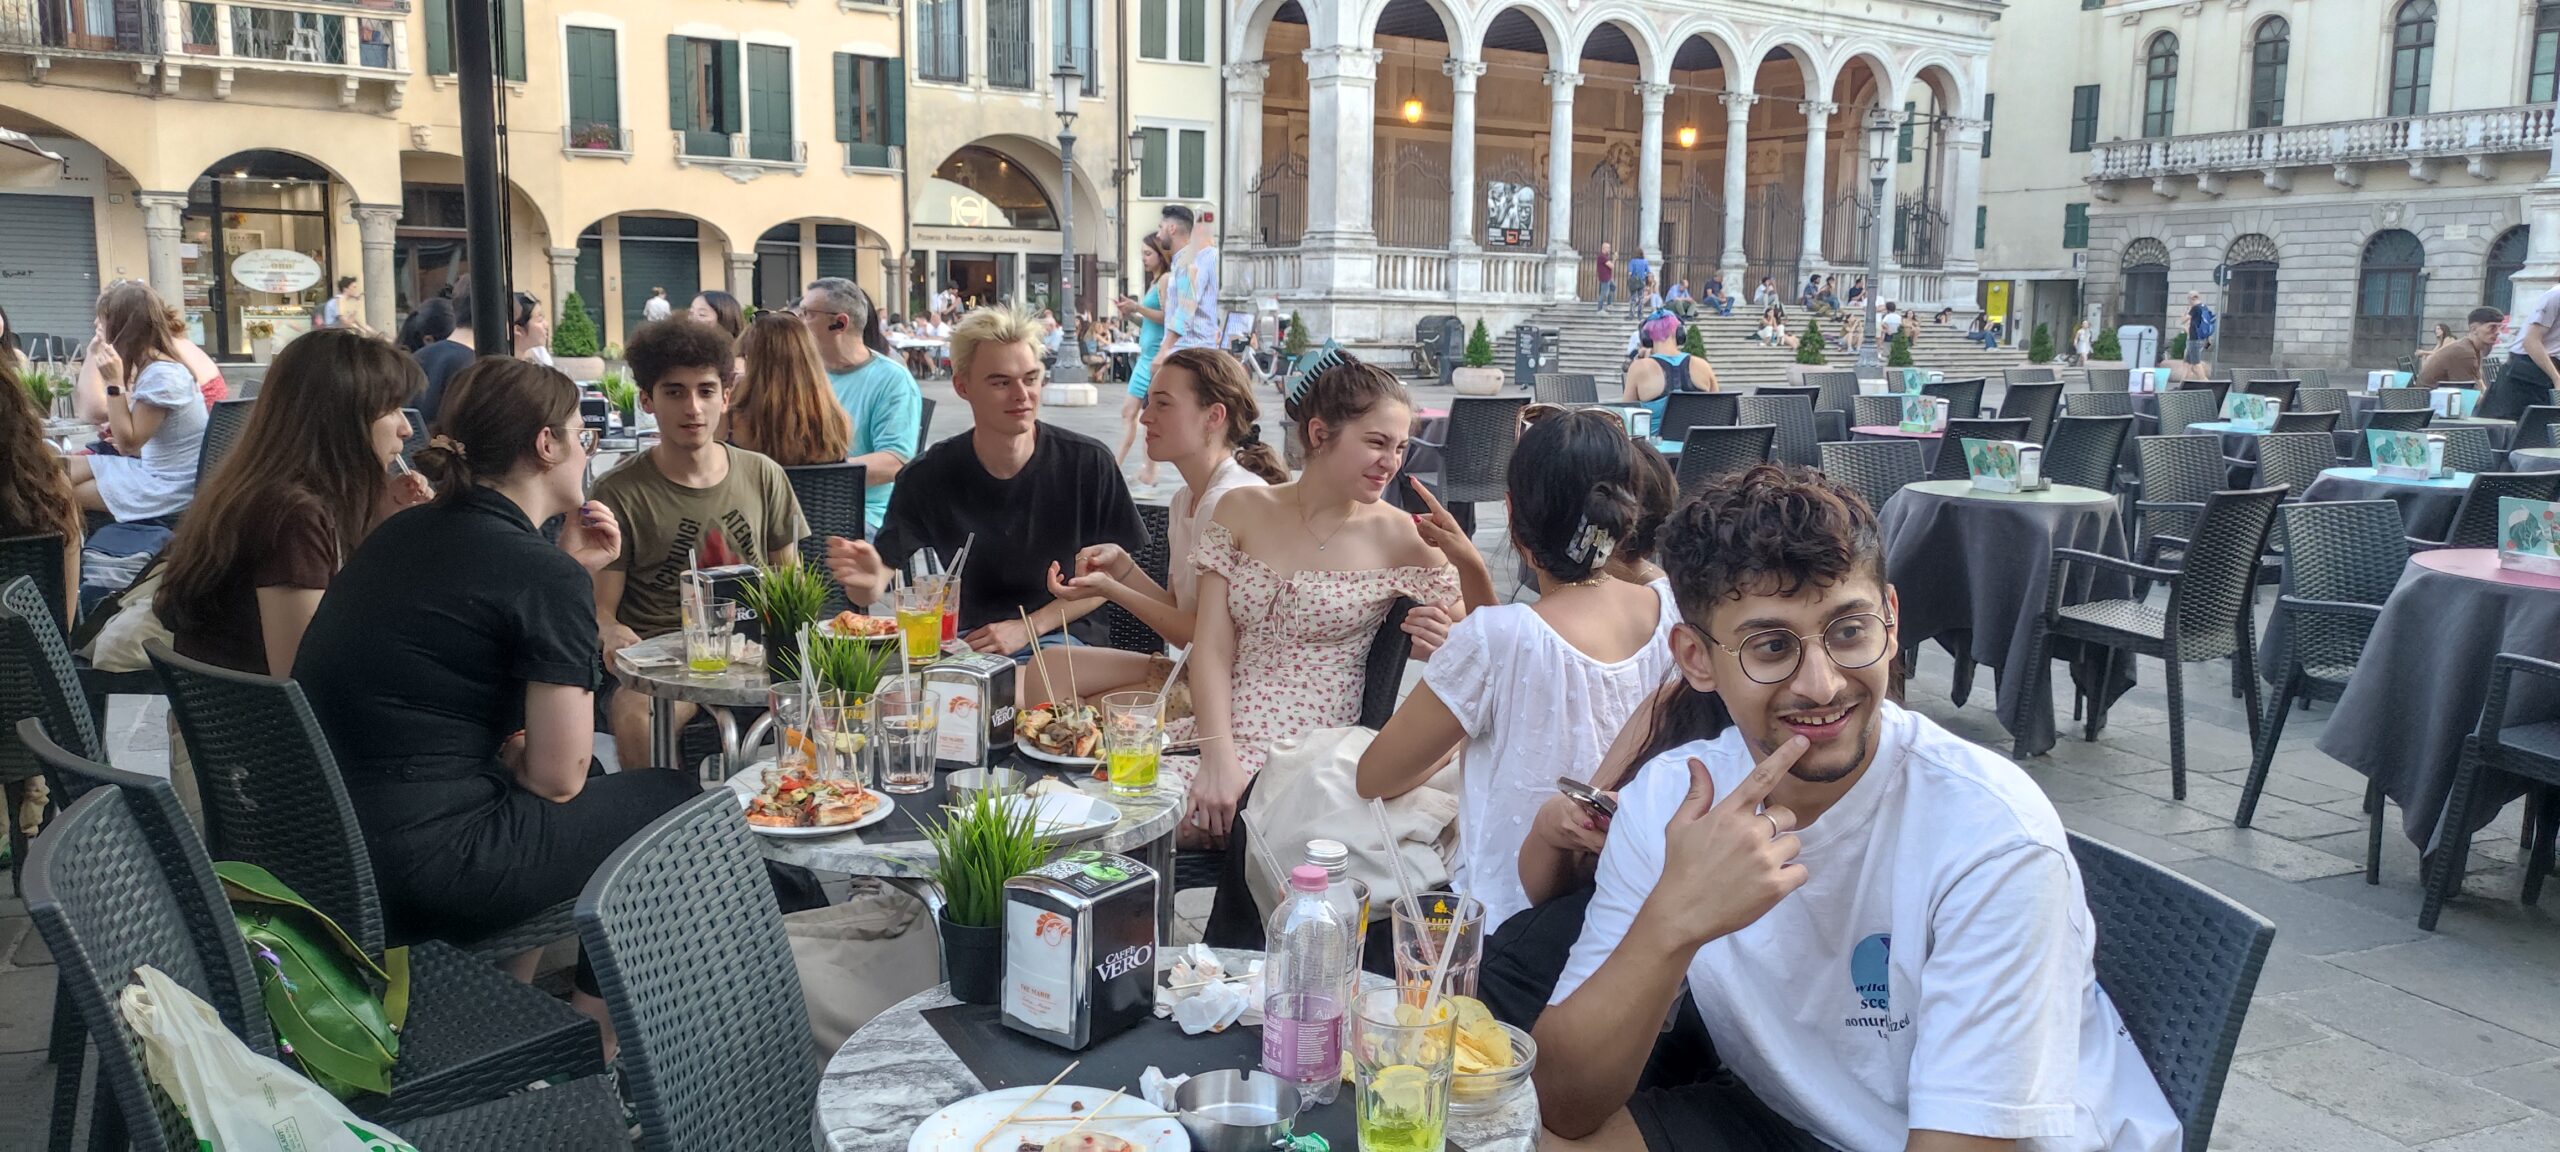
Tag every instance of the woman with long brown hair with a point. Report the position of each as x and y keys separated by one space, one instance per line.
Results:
x=1149 y=308
x=783 y=406
x=153 y=409
x=35 y=497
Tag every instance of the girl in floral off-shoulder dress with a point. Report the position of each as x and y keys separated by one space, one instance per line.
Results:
x=1294 y=582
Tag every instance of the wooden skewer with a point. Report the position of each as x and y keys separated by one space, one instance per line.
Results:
x=1088 y=1116
x=1034 y=1098
x=1104 y=1107
x=1206 y=983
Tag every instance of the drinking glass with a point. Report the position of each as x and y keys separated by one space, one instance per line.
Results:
x=1132 y=741
x=794 y=717
x=1400 y=1067
x=920 y=620
x=1425 y=927
x=707 y=631
x=950 y=608
x=903 y=728
x=844 y=751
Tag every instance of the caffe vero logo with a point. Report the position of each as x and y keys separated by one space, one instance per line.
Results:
x=1871 y=978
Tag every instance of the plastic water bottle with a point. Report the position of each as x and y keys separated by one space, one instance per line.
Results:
x=1302 y=1005
x=1348 y=897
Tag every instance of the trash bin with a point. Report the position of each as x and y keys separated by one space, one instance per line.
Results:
x=1534 y=350
x=1441 y=340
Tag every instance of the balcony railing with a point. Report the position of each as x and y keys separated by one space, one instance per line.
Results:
x=858 y=154
x=2440 y=135
x=734 y=150
x=79 y=27
x=1009 y=44
x=322 y=34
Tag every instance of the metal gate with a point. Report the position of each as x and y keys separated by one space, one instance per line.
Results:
x=49 y=281
x=1693 y=231
x=1844 y=230
x=1604 y=209
x=1773 y=234
x=1409 y=199
x=1919 y=232
x=1280 y=192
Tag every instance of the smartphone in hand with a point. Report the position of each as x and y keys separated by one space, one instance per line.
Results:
x=1593 y=800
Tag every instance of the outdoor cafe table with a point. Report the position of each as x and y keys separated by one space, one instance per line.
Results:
x=1971 y=569
x=1928 y=440
x=898 y=1070
x=2534 y=460
x=2418 y=689
x=2426 y=506
x=2502 y=433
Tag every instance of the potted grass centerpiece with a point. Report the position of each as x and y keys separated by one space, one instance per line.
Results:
x=978 y=845
x=785 y=598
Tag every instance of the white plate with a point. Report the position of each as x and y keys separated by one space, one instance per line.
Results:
x=746 y=784
x=1035 y=752
x=1071 y=818
x=958 y=1128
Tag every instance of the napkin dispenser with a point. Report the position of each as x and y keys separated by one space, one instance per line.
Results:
x=2380 y=379
x=1637 y=421
x=729 y=582
x=2142 y=380
x=973 y=703
x=1080 y=949
x=2453 y=403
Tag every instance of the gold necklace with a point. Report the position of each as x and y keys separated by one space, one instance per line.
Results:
x=1308 y=523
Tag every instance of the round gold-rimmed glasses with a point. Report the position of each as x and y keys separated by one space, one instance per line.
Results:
x=1771 y=655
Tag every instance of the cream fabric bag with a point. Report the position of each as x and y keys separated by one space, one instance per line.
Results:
x=858 y=957
x=1308 y=790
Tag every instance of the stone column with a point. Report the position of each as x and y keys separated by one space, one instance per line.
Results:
x=1649 y=177
x=1737 y=170
x=1340 y=249
x=1963 y=194
x=375 y=225
x=1466 y=253
x=1817 y=192
x=2541 y=271
x=1560 y=255
x=1243 y=225
x=161 y=226
x=742 y=275
x=564 y=280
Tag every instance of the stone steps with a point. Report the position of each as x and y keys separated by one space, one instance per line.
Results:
x=1595 y=343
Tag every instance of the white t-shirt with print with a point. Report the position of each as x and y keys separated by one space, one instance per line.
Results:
x=1534 y=708
x=1934 y=972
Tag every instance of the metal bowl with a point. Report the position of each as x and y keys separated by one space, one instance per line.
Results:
x=1236 y=1110
x=965 y=785
x=1480 y=1092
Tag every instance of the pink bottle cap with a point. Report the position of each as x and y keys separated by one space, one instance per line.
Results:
x=1307 y=878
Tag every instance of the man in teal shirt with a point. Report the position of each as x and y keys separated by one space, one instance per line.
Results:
x=876 y=391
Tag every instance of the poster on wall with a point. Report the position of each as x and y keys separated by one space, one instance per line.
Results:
x=281 y=271
x=1509 y=210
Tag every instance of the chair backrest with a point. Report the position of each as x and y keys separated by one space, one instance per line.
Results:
x=2212 y=599
x=2221 y=389
x=2475 y=520
x=2177 y=469
x=2402 y=397
x=222 y=429
x=38 y=558
x=2310 y=399
x=1477 y=459
x=688 y=948
x=2467 y=447
x=2180 y=409
x=2109 y=379
x=2342 y=551
x=1712 y=451
x=1808 y=391
x=1127 y=633
x=1571 y=389
x=831 y=500
x=2100 y=404
x=95 y=893
x=1875 y=468
x=2294 y=459
x=1382 y=675
x=2037 y=402
x=1792 y=415
x=2398 y=419
x=2312 y=377
x=270 y=786
x=924 y=424
x=2246 y=375
x=1684 y=410
x=1834 y=389
x=1963 y=397
x=2085 y=450
x=1875 y=411
x=2179 y=961
x=38 y=680
x=1950 y=465
x=2032 y=375
x=2539 y=427
x=2306 y=421
x=2282 y=391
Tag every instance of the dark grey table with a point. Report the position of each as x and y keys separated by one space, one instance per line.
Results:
x=2425 y=673
x=1971 y=569
x=2426 y=506
x=2534 y=460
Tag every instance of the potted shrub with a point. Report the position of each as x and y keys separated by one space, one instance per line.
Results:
x=1476 y=375
x=1898 y=350
x=1695 y=342
x=977 y=847
x=619 y=391
x=2105 y=351
x=1809 y=347
x=573 y=342
x=785 y=598
x=47 y=388
x=2040 y=345
x=262 y=341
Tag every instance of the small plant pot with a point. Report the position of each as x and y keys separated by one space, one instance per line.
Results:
x=973 y=959
x=1476 y=381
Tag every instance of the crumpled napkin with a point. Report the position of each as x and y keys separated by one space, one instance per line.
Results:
x=1158 y=1087
x=1201 y=996
x=1211 y=1009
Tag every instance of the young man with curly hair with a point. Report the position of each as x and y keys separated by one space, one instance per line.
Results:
x=1880 y=924
x=690 y=496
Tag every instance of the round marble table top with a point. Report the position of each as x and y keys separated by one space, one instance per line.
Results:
x=1143 y=821
x=742 y=686
x=897 y=1071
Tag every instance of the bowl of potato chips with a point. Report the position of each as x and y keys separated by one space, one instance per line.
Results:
x=1492 y=1061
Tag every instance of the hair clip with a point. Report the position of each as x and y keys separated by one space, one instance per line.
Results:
x=1591 y=544
x=448 y=443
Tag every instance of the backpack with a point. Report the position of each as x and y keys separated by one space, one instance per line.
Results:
x=2206 y=323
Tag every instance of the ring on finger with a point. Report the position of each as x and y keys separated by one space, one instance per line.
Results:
x=1774 y=830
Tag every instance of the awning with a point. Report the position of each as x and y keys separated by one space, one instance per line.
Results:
x=25 y=163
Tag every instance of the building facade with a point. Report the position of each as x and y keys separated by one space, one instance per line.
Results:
x=689 y=145
x=2337 y=187
x=1391 y=159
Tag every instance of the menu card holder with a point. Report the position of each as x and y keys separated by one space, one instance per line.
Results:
x=2378 y=380
x=2404 y=455
x=1924 y=414
x=2454 y=403
x=2529 y=535
x=2251 y=413
x=2145 y=379
x=2006 y=466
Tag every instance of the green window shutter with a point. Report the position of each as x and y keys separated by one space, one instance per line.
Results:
x=1910 y=117
x=511 y=41
x=1981 y=224
x=2075 y=225
x=1151 y=38
x=1151 y=167
x=769 y=89
x=1987 y=99
x=893 y=101
x=732 y=107
x=679 y=84
x=1195 y=30
x=440 y=37
x=1195 y=164
x=847 y=99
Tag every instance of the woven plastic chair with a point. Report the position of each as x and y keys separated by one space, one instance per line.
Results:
x=924 y=424
x=1682 y=411
x=2037 y=402
x=1950 y=463
x=1836 y=392
x=2294 y=459
x=2306 y=421
x=2398 y=419
x=1569 y=389
x=2108 y=379
x=2206 y=617
x=2085 y=450
x=2403 y=397
x=2179 y=410
x=2178 y=473
x=2309 y=399
x=2100 y=404
x=2343 y=559
x=2475 y=520
x=2033 y=375
x=1792 y=416
x=2180 y=962
x=1963 y=397
x=1810 y=392
x=273 y=797
x=36 y=681
x=1871 y=411
x=2244 y=376
x=1875 y=468
x=2467 y=447
x=1715 y=451
x=2539 y=427
x=1475 y=460
x=831 y=500
x=2528 y=751
x=2280 y=390
x=222 y=428
x=1127 y=633
x=2218 y=389
x=38 y=558
x=688 y=947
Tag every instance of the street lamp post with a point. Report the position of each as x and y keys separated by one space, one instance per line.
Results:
x=1879 y=159
x=1136 y=158
x=1069 y=85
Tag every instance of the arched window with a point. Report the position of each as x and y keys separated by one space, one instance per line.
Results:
x=2413 y=56
x=2160 y=85
x=2390 y=292
x=980 y=187
x=2267 y=56
x=2247 y=335
x=2542 y=72
x=2146 y=286
x=2506 y=258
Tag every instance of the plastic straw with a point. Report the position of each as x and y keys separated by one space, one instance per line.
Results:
x=1171 y=675
x=808 y=668
x=1047 y=688
x=1404 y=883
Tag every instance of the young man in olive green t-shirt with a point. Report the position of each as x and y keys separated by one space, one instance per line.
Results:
x=691 y=496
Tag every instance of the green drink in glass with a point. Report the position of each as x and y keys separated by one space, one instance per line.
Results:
x=1400 y=1067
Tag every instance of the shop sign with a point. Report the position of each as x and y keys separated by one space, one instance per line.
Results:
x=281 y=271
